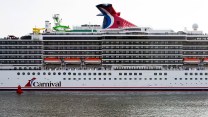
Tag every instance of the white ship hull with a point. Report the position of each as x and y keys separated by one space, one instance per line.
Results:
x=105 y=80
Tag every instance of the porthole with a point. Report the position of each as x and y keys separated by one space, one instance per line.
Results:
x=44 y=73
x=54 y=73
x=23 y=73
x=59 y=73
x=64 y=73
x=69 y=73
x=28 y=73
x=74 y=74
x=33 y=73
x=64 y=78
x=38 y=73
x=18 y=73
x=49 y=73
x=79 y=73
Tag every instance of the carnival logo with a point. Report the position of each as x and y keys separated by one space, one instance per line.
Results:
x=32 y=83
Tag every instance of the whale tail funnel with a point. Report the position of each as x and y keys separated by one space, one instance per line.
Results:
x=112 y=18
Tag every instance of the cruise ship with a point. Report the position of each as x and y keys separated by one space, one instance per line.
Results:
x=117 y=55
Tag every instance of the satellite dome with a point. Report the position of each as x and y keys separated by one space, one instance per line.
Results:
x=195 y=26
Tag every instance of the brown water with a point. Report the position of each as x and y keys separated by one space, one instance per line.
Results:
x=104 y=104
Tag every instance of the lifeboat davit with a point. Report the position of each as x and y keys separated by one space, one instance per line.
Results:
x=191 y=60
x=92 y=61
x=205 y=60
x=52 y=60
x=72 y=60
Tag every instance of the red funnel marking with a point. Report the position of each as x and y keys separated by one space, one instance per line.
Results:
x=112 y=18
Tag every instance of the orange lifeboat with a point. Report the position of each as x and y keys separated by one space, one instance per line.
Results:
x=191 y=60
x=205 y=60
x=52 y=60
x=92 y=61
x=72 y=60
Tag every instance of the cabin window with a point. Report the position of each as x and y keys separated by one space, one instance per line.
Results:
x=54 y=73
x=64 y=73
x=18 y=73
x=28 y=73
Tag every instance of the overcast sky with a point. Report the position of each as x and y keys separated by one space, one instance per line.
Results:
x=18 y=17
